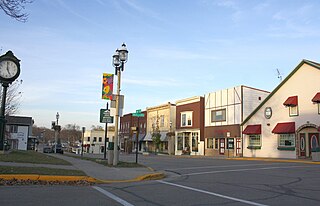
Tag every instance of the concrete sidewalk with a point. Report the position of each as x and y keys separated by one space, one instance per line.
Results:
x=95 y=172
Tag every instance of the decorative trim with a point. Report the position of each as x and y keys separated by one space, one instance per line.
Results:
x=287 y=148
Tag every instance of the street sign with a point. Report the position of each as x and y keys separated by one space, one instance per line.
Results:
x=138 y=113
x=105 y=116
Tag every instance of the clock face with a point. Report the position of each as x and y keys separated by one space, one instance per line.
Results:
x=8 y=69
x=268 y=112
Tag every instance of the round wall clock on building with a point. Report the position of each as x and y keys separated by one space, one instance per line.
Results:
x=268 y=112
x=9 y=68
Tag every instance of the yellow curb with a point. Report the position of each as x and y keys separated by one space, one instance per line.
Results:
x=274 y=160
x=47 y=177
x=153 y=176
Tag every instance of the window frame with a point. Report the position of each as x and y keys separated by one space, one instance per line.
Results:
x=188 y=117
x=212 y=143
x=291 y=114
x=214 y=116
x=254 y=146
x=287 y=136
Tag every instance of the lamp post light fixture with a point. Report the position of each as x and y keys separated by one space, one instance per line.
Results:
x=57 y=117
x=119 y=58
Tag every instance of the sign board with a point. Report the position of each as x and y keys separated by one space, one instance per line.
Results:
x=138 y=113
x=105 y=116
x=121 y=101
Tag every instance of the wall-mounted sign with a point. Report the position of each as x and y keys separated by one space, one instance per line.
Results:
x=268 y=112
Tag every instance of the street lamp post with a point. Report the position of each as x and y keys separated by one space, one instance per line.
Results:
x=83 y=131
x=118 y=60
x=56 y=132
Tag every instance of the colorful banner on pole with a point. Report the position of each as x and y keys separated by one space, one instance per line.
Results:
x=107 y=86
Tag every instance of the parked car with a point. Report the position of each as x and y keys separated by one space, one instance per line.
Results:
x=48 y=149
x=59 y=148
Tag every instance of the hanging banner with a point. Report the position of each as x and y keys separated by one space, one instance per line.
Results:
x=107 y=86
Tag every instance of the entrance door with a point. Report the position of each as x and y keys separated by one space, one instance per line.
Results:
x=238 y=146
x=313 y=141
x=222 y=146
x=302 y=145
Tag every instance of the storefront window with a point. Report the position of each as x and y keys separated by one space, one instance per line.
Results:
x=195 y=141
x=210 y=143
x=254 y=140
x=287 y=140
x=180 y=141
x=216 y=143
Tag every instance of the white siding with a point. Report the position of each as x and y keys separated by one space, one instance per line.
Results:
x=304 y=84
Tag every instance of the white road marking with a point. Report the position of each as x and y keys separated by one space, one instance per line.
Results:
x=112 y=196
x=239 y=170
x=212 y=193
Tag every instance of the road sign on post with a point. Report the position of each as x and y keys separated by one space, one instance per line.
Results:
x=138 y=113
x=105 y=116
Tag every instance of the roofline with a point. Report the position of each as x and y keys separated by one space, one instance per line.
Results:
x=304 y=61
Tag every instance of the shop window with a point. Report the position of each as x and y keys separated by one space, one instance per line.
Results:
x=180 y=141
x=216 y=143
x=218 y=115
x=186 y=119
x=195 y=138
x=287 y=141
x=254 y=141
x=209 y=143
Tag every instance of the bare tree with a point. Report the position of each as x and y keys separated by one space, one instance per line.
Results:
x=13 y=8
x=71 y=133
x=13 y=98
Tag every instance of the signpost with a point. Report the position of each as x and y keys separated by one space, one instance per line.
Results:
x=105 y=118
x=137 y=114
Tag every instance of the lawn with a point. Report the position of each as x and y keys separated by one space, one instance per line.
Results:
x=31 y=157
x=40 y=171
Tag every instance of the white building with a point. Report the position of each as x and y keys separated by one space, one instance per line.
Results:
x=286 y=124
x=18 y=132
x=94 y=140
x=224 y=112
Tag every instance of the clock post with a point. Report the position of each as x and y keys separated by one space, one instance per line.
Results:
x=9 y=71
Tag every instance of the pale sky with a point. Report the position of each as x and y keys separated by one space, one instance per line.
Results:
x=177 y=49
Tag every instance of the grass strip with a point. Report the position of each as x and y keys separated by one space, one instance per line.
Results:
x=31 y=157
x=40 y=171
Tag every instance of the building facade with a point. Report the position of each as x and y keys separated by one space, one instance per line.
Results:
x=94 y=140
x=286 y=124
x=224 y=112
x=190 y=126
x=18 y=133
x=162 y=117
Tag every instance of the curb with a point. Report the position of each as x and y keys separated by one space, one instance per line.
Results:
x=274 y=160
x=153 y=176
x=48 y=178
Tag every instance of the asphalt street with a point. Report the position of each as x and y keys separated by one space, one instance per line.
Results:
x=189 y=181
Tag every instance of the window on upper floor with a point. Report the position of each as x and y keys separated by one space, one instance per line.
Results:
x=162 y=121
x=100 y=139
x=186 y=119
x=94 y=139
x=292 y=103
x=12 y=128
x=218 y=115
x=88 y=139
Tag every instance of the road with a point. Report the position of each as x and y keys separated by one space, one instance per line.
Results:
x=190 y=181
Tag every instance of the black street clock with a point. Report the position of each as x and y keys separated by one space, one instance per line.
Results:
x=9 y=68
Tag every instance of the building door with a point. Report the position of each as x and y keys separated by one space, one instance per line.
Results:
x=302 y=148
x=313 y=141
x=238 y=146
x=221 y=146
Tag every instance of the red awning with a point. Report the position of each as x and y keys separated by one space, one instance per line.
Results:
x=252 y=129
x=291 y=101
x=316 y=99
x=284 y=128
